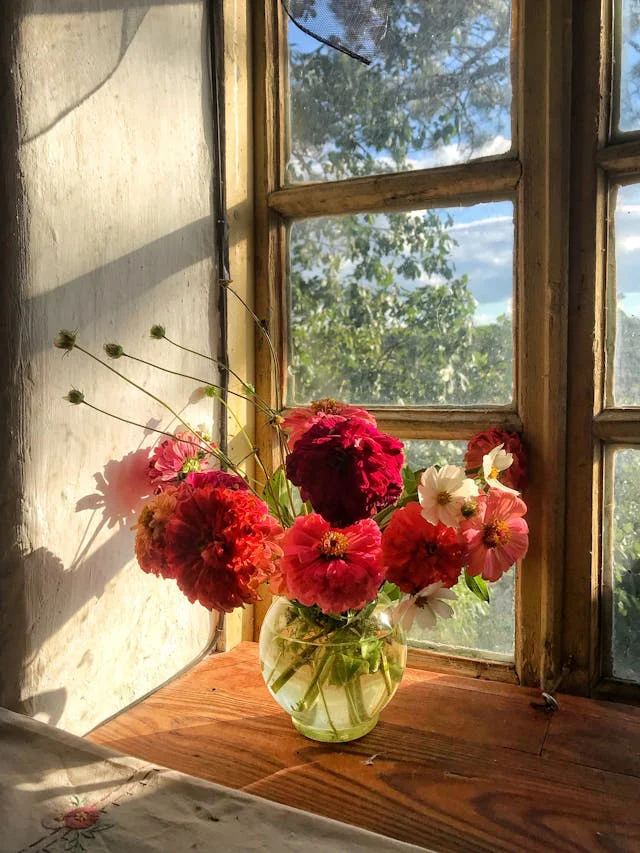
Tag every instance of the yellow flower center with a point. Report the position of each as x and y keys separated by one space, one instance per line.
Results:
x=496 y=533
x=443 y=498
x=334 y=544
x=326 y=406
x=494 y=473
x=190 y=464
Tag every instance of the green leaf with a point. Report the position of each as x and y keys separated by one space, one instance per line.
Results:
x=276 y=496
x=477 y=586
x=347 y=667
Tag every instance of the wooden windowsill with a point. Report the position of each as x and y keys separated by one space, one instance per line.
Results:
x=455 y=764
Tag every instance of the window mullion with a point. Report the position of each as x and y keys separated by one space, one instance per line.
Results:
x=543 y=126
x=586 y=345
x=483 y=180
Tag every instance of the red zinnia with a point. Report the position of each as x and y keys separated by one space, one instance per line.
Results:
x=515 y=475
x=220 y=545
x=337 y=569
x=416 y=553
x=347 y=469
x=300 y=420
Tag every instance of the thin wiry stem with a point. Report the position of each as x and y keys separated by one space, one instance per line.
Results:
x=266 y=411
x=265 y=331
x=214 y=449
x=222 y=367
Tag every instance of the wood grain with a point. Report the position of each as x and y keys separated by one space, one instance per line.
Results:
x=482 y=180
x=455 y=764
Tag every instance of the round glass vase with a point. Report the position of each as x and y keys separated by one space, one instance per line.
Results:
x=332 y=675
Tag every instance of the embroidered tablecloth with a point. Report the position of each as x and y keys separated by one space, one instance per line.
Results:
x=62 y=794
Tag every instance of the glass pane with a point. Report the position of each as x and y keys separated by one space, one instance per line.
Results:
x=476 y=629
x=438 y=92
x=626 y=566
x=629 y=105
x=627 y=295
x=403 y=309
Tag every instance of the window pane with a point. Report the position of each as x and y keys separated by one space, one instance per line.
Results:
x=627 y=295
x=438 y=92
x=476 y=629
x=403 y=309
x=629 y=105
x=626 y=566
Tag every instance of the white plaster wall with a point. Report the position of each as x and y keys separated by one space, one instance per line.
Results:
x=114 y=118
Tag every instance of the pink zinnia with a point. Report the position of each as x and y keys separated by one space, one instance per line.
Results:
x=497 y=535
x=300 y=420
x=174 y=458
x=337 y=569
x=347 y=469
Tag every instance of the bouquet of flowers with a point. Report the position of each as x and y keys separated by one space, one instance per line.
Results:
x=354 y=543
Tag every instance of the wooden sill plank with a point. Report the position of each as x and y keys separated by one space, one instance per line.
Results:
x=461 y=764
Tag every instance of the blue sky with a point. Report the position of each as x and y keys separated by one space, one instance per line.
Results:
x=485 y=232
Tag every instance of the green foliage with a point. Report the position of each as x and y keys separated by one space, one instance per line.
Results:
x=477 y=586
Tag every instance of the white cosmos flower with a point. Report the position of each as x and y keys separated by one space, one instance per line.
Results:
x=423 y=608
x=493 y=463
x=442 y=492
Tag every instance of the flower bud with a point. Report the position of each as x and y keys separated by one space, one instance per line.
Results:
x=157 y=332
x=113 y=350
x=210 y=391
x=74 y=396
x=65 y=340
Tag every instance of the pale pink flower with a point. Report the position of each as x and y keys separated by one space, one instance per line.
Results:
x=298 y=421
x=497 y=535
x=493 y=464
x=425 y=606
x=174 y=458
x=442 y=493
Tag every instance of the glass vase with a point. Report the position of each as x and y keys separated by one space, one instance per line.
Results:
x=333 y=675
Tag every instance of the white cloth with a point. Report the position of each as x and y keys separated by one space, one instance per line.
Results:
x=62 y=794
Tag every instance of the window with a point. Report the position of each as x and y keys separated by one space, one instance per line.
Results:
x=431 y=236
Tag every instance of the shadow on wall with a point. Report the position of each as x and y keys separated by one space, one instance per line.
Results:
x=36 y=598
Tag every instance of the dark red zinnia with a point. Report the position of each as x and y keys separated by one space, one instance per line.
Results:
x=516 y=474
x=347 y=469
x=198 y=479
x=220 y=545
x=416 y=553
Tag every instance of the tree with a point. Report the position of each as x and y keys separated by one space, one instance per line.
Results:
x=378 y=312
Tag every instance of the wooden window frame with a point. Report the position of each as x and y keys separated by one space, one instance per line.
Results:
x=560 y=163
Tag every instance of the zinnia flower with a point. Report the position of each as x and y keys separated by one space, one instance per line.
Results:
x=443 y=492
x=416 y=553
x=497 y=535
x=483 y=443
x=150 y=532
x=220 y=545
x=198 y=479
x=425 y=606
x=174 y=458
x=336 y=568
x=346 y=468
x=300 y=420
x=493 y=465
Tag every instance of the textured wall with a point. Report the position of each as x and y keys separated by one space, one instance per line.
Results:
x=107 y=163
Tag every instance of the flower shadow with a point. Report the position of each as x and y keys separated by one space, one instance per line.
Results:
x=121 y=489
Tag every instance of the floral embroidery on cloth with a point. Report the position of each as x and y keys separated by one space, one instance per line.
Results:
x=73 y=830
